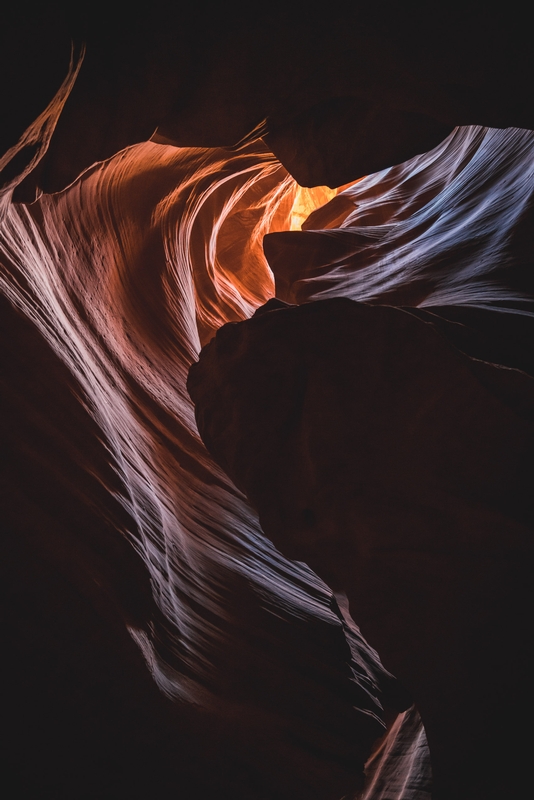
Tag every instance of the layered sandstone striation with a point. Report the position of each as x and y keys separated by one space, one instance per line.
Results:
x=157 y=640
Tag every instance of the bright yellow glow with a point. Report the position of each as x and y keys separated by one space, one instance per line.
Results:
x=306 y=201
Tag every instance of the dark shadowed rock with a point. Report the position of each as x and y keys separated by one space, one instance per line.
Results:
x=338 y=93
x=400 y=469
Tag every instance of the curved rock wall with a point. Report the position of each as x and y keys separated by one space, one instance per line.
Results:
x=156 y=638
x=155 y=597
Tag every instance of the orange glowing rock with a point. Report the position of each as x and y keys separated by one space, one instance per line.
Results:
x=306 y=201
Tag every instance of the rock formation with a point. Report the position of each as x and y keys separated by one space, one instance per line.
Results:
x=344 y=423
x=400 y=470
x=156 y=638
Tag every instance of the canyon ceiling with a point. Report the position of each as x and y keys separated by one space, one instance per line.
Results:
x=182 y=615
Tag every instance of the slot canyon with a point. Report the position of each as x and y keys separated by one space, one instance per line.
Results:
x=267 y=386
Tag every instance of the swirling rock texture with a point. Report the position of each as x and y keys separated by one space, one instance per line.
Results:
x=158 y=644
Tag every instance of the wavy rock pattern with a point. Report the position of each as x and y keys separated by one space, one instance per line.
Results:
x=146 y=613
x=155 y=597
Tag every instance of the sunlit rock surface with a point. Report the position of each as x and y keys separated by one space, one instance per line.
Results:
x=451 y=227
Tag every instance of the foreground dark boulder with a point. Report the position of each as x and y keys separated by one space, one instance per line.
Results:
x=377 y=449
